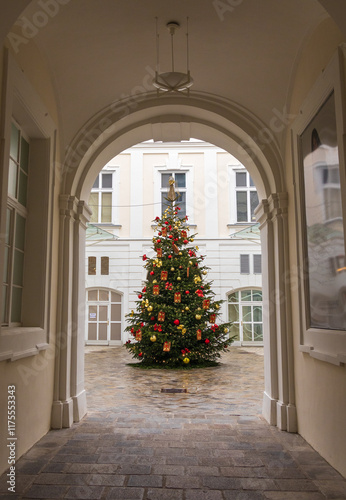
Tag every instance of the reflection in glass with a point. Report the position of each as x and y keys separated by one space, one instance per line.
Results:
x=325 y=244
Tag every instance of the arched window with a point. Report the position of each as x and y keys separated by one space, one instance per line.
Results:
x=245 y=311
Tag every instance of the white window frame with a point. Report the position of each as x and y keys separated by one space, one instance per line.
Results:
x=323 y=344
x=179 y=169
x=21 y=102
x=233 y=195
x=241 y=304
x=100 y=190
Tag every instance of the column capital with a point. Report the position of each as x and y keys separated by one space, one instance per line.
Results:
x=276 y=204
x=68 y=204
x=83 y=213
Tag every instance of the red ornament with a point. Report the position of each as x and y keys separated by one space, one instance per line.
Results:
x=157 y=218
x=140 y=354
x=152 y=318
x=176 y=322
x=144 y=257
x=166 y=223
x=144 y=289
x=178 y=208
x=187 y=292
x=158 y=240
x=170 y=236
x=159 y=233
x=169 y=256
x=185 y=241
x=207 y=341
x=152 y=273
x=176 y=239
x=140 y=296
x=170 y=227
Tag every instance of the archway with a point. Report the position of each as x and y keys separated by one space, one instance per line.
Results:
x=174 y=119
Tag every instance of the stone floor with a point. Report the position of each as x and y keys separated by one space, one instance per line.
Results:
x=207 y=444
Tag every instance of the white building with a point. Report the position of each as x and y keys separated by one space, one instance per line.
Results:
x=218 y=195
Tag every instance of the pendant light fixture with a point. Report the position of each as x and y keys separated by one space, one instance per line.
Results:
x=172 y=81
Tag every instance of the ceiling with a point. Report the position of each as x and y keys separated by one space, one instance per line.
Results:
x=101 y=51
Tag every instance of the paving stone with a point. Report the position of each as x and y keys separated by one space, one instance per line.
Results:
x=145 y=481
x=244 y=472
x=125 y=494
x=222 y=483
x=320 y=472
x=71 y=479
x=332 y=489
x=86 y=459
x=243 y=495
x=296 y=485
x=182 y=461
x=253 y=483
x=85 y=492
x=30 y=467
x=203 y=495
x=290 y=495
x=168 y=470
x=106 y=480
x=184 y=482
x=45 y=491
x=164 y=494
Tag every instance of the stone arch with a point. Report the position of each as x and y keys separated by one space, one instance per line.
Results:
x=175 y=118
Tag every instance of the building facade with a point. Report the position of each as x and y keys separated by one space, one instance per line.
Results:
x=219 y=197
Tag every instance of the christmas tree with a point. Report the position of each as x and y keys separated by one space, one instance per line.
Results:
x=175 y=318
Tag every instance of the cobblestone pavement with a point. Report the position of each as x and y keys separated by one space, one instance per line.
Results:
x=208 y=444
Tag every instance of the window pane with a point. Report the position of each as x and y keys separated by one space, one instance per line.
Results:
x=115 y=297
x=94 y=207
x=234 y=330
x=180 y=180
x=106 y=209
x=245 y=264
x=22 y=188
x=233 y=312
x=258 y=332
x=4 y=304
x=105 y=265
x=103 y=313
x=9 y=214
x=96 y=183
x=92 y=295
x=16 y=311
x=12 y=179
x=257 y=313
x=181 y=203
x=14 y=149
x=253 y=203
x=240 y=179
x=92 y=265
x=92 y=313
x=20 y=232
x=257 y=264
x=241 y=206
x=251 y=181
x=116 y=312
x=246 y=295
x=6 y=263
x=165 y=180
x=247 y=332
x=247 y=314
x=104 y=295
x=164 y=202
x=332 y=202
x=256 y=295
x=92 y=329
x=103 y=327
x=18 y=268
x=115 y=331
x=107 y=180
x=24 y=155
x=233 y=297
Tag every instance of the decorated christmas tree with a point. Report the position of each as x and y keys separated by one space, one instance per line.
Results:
x=175 y=321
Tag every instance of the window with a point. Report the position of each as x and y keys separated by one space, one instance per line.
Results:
x=244 y=264
x=16 y=215
x=105 y=265
x=101 y=198
x=91 y=265
x=245 y=312
x=180 y=187
x=104 y=317
x=257 y=264
x=246 y=197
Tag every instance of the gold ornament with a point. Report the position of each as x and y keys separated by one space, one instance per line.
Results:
x=150 y=308
x=191 y=239
x=154 y=281
x=226 y=330
x=172 y=268
x=190 y=263
x=153 y=338
x=180 y=253
x=187 y=308
x=204 y=272
x=183 y=331
x=198 y=316
x=217 y=306
x=186 y=361
x=178 y=278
